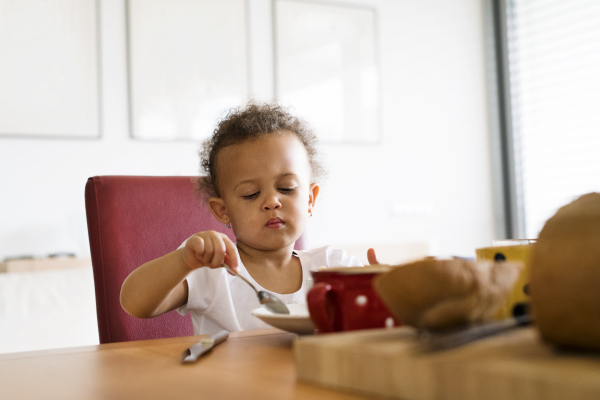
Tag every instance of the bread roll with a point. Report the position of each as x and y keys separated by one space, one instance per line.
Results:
x=436 y=294
x=565 y=276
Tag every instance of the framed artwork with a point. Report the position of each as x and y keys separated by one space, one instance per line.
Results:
x=326 y=68
x=187 y=65
x=49 y=69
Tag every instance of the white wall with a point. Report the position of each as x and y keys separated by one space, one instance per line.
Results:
x=432 y=166
x=435 y=150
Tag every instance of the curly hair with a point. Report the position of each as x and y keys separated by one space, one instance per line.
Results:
x=250 y=123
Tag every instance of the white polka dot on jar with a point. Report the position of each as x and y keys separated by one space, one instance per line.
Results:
x=361 y=300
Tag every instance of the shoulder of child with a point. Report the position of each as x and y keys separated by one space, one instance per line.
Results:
x=328 y=256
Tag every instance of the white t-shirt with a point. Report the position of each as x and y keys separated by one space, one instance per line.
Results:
x=219 y=300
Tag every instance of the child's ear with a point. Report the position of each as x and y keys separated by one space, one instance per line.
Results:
x=218 y=209
x=313 y=192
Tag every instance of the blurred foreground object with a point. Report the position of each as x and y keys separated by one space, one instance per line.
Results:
x=565 y=276
x=436 y=294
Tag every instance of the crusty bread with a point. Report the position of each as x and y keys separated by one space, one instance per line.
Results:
x=436 y=294
x=565 y=276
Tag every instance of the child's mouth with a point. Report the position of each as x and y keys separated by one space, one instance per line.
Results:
x=275 y=223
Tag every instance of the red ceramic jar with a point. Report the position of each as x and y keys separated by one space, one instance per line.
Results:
x=343 y=299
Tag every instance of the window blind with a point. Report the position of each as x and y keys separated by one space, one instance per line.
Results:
x=554 y=72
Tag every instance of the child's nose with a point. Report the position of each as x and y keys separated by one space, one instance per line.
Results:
x=271 y=203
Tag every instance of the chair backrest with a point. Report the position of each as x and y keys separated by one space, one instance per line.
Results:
x=132 y=220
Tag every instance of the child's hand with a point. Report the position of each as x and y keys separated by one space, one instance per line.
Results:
x=210 y=249
x=372 y=257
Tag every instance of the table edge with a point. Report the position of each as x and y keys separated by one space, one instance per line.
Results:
x=136 y=343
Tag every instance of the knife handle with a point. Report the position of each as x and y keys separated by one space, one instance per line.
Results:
x=215 y=339
x=192 y=354
x=219 y=337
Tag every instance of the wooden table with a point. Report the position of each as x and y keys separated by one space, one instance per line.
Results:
x=249 y=365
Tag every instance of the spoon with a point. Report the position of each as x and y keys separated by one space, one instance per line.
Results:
x=268 y=300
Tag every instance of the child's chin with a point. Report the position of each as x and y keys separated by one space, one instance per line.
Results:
x=272 y=244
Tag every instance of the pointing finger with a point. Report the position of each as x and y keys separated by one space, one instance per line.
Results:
x=371 y=256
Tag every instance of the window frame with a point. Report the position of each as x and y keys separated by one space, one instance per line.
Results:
x=507 y=185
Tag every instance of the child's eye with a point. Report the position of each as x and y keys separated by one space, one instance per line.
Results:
x=287 y=190
x=251 y=196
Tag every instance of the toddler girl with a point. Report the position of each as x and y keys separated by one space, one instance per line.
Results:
x=261 y=171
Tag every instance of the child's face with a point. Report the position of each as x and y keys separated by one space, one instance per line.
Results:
x=265 y=190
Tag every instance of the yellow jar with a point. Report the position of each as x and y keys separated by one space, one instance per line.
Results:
x=517 y=302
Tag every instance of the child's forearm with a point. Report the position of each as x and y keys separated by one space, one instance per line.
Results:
x=156 y=287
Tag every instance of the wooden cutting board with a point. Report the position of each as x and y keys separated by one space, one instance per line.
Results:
x=392 y=363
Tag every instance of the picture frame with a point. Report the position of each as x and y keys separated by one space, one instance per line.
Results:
x=188 y=63
x=327 y=68
x=50 y=83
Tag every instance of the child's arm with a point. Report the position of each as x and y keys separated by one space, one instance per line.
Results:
x=159 y=285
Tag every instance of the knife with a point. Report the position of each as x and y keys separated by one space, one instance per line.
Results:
x=192 y=354
x=448 y=340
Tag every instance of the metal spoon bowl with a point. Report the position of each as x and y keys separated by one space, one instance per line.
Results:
x=266 y=299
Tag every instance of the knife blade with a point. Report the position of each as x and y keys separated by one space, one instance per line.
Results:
x=448 y=340
x=205 y=345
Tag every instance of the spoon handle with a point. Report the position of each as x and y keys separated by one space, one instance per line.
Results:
x=239 y=276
